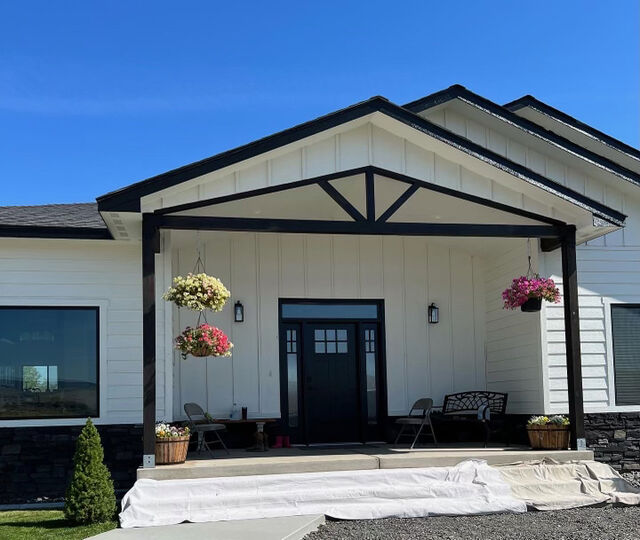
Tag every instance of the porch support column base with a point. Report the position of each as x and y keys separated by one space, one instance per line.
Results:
x=572 y=337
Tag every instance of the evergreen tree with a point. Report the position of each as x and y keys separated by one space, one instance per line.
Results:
x=90 y=496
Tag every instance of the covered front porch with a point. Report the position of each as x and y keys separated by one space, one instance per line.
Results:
x=335 y=276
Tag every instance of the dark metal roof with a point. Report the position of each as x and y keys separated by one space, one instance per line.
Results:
x=128 y=199
x=506 y=114
x=77 y=220
x=540 y=106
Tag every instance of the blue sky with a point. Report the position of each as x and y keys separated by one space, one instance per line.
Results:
x=97 y=95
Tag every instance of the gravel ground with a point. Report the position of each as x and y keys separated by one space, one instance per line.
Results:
x=577 y=524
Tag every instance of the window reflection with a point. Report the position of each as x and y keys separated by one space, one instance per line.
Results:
x=370 y=360
x=292 y=376
x=48 y=362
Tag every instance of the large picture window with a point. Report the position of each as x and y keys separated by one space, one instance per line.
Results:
x=625 y=328
x=48 y=362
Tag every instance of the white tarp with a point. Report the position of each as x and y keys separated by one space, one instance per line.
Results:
x=471 y=487
x=548 y=485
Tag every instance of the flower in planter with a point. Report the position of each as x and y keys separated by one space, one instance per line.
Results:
x=556 y=420
x=198 y=292
x=167 y=431
x=523 y=288
x=203 y=340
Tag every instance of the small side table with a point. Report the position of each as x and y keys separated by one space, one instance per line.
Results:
x=262 y=443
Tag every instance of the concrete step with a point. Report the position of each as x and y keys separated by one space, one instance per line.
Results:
x=299 y=460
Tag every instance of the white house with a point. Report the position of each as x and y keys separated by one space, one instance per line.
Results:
x=335 y=236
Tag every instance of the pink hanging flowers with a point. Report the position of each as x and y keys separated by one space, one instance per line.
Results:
x=524 y=288
x=203 y=340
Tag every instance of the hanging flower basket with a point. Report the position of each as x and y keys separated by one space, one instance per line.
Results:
x=528 y=292
x=549 y=433
x=198 y=292
x=203 y=340
x=172 y=443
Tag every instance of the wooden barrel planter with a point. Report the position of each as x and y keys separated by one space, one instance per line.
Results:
x=172 y=450
x=549 y=437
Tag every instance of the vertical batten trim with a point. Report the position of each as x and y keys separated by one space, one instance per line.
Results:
x=305 y=264
x=453 y=358
x=404 y=321
x=404 y=156
x=370 y=142
x=229 y=242
x=256 y=249
x=429 y=372
x=303 y=162
x=337 y=151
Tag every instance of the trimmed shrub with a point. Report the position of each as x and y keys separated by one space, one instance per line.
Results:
x=90 y=496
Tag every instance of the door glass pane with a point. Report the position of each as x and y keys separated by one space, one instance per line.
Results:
x=370 y=360
x=292 y=369
x=329 y=311
x=292 y=377
x=330 y=341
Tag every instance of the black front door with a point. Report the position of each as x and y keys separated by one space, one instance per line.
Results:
x=331 y=383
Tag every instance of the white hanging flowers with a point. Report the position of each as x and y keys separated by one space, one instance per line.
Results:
x=198 y=292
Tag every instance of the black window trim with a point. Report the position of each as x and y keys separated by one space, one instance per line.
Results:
x=612 y=305
x=63 y=307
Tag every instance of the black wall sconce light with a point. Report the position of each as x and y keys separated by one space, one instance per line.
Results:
x=238 y=312
x=433 y=313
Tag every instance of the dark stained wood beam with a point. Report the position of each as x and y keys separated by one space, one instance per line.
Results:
x=398 y=203
x=206 y=223
x=572 y=337
x=150 y=246
x=340 y=199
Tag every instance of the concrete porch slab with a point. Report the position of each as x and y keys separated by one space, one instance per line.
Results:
x=282 y=528
x=303 y=460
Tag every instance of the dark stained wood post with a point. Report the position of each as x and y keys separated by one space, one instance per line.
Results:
x=150 y=246
x=572 y=337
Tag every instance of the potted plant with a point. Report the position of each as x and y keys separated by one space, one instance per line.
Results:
x=527 y=293
x=203 y=340
x=548 y=433
x=198 y=292
x=172 y=443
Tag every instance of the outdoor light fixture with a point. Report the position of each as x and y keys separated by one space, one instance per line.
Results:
x=238 y=312
x=433 y=313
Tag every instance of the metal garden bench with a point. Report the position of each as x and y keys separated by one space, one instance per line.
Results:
x=478 y=407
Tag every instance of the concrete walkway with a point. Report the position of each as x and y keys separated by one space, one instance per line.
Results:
x=283 y=528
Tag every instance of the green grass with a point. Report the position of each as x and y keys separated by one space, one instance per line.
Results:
x=46 y=525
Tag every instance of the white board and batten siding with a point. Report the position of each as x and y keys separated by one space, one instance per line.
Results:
x=106 y=274
x=513 y=337
x=608 y=273
x=408 y=273
x=608 y=270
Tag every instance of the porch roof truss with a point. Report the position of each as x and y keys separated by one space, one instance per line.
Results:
x=373 y=220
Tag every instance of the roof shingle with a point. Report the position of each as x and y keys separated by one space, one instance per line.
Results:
x=76 y=215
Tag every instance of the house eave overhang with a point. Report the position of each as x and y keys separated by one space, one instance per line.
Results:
x=128 y=199
x=531 y=102
x=506 y=115
x=35 y=231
